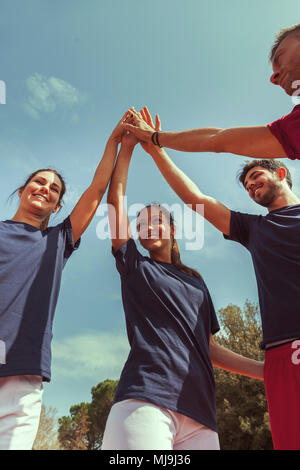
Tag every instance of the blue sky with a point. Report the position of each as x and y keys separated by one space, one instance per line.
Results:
x=71 y=70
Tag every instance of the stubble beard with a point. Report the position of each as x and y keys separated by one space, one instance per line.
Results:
x=269 y=196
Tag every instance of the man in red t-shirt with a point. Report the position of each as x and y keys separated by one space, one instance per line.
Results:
x=280 y=139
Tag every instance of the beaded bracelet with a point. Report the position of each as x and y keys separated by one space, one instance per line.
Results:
x=154 y=139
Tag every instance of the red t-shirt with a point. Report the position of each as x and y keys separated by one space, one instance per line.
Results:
x=287 y=131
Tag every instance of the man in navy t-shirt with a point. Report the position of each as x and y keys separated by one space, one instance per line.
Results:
x=273 y=242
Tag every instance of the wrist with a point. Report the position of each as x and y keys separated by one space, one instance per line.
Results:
x=155 y=139
x=128 y=144
x=127 y=147
x=155 y=151
x=114 y=139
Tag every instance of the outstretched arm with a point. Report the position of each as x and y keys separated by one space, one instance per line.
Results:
x=255 y=142
x=86 y=207
x=228 y=360
x=118 y=219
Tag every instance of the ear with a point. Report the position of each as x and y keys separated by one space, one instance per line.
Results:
x=281 y=173
x=56 y=208
x=20 y=192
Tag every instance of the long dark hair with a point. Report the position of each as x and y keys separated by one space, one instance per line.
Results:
x=45 y=222
x=175 y=254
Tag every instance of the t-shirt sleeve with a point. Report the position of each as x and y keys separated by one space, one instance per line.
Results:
x=70 y=246
x=240 y=227
x=127 y=257
x=214 y=325
x=287 y=131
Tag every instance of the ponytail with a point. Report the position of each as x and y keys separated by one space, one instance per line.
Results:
x=45 y=223
x=176 y=261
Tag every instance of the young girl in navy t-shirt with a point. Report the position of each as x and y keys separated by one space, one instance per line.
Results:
x=32 y=256
x=166 y=394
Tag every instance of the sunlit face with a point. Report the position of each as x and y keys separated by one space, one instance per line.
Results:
x=42 y=193
x=262 y=185
x=286 y=64
x=154 y=228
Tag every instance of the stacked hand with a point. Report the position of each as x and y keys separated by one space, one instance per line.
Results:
x=120 y=132
x=136 y=127
x=141 y=126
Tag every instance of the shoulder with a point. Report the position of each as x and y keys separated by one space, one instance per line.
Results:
x=245 y=217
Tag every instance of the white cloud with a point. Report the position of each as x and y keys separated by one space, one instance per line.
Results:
x=47 y=94
x=93 y=355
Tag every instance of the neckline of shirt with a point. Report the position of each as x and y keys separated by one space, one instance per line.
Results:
x=9 y=221
x=284 y=207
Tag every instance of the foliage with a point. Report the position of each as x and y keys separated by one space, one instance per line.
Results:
x=242 y=412
x=84 y=429
x=47 y=437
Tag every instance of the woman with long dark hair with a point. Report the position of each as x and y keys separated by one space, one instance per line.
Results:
x=32 y=257
x=166 y=394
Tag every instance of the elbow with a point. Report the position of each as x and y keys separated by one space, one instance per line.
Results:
x=111 y=193
x=111 y=198
x=114 y=198
x=216 y=142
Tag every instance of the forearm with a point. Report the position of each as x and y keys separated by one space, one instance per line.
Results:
x=184 y=187
x=118 y=219
x=228 y=360
x=254 y=142
x=117 y=187
x=194 y=140
x=104 y=169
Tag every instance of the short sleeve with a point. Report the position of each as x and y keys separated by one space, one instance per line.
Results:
x=127 y=257
x=70 y=246
x=287 y=131
x=214 y=325
x=240 y=227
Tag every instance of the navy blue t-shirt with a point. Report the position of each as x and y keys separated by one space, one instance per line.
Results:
x=274 y=244
x=31 y=264
x=169 y=318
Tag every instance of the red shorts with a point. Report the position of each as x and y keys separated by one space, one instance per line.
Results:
x=282 y=384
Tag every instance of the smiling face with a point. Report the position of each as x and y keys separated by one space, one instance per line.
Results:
x=154 y=229
x=286 y=64
x=42 y=193
x=263 y=185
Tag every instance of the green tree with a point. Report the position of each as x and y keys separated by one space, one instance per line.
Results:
x=84 y=428
x=47 y=437
x=242 y=413
x=73 y=431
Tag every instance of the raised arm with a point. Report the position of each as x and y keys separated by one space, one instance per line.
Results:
x=86 y=207
x=255 y=142
x=214 y=211
x=118 y=219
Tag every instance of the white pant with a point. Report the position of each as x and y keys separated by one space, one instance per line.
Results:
x=20 y=408
x=139 y=425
